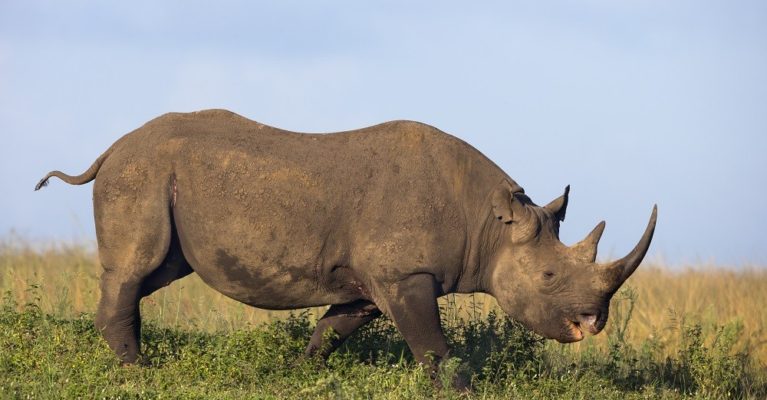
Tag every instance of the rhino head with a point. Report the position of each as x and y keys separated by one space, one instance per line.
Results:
x=559 y=292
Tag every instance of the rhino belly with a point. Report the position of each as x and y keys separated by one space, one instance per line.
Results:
x=260 y=267
x=268 y=285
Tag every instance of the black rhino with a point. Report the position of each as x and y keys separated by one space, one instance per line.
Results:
x=383 y=219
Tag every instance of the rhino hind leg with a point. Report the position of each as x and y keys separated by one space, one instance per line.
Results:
x=134 y=236
x=341 y=320
x=118 y=316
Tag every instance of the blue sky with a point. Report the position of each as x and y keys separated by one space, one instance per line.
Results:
x=631 y=102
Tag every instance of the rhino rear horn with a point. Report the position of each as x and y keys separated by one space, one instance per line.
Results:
x=624 y=267
x=559 y=205
x=586 y=249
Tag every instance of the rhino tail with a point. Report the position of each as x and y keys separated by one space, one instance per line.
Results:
x=85 y=177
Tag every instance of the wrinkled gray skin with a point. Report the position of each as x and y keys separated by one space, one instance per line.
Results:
x=379 y=220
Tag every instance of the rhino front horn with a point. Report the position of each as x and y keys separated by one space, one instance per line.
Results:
x=626 y=266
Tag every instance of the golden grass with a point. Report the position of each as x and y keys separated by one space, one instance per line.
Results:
x=64 y=279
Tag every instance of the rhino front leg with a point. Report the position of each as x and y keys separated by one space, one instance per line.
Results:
x=342 y=320
x=412 y=306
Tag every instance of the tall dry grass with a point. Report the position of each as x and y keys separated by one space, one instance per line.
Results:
x=64 y=278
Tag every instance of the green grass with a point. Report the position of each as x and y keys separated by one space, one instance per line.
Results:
x=697 y=333
x=47 y=356
x=67 y=277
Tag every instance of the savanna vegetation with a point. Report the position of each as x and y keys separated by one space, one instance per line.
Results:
x=698 y=332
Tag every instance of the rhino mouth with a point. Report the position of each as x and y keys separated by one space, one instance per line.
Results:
x=577 y=328
x=575 y=332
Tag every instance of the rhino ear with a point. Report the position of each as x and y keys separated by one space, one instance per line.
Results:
x=505 y=207
x=559 y=205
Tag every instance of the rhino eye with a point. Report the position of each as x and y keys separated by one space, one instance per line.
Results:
x=548 y=274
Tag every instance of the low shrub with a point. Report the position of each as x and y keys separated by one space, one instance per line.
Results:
x=44 y=356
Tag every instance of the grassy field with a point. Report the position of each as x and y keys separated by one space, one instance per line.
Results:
x=697 y=332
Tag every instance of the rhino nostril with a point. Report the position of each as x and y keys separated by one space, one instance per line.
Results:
x=589 y=320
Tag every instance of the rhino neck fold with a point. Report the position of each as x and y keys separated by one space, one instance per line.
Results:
x=490 y=239
x=484 y=238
